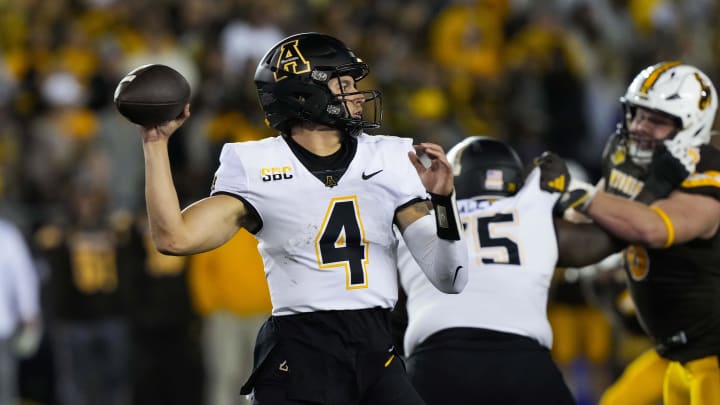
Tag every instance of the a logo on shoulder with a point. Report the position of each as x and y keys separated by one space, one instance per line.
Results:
x=368 y=176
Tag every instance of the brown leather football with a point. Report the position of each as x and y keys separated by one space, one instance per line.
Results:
x=152 y=94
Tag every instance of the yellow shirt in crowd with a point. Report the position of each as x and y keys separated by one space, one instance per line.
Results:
x=230 y=278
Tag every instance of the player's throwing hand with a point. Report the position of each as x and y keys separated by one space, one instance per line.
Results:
x=433 y=168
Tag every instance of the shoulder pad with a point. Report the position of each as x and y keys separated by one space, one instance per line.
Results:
x=706 y=178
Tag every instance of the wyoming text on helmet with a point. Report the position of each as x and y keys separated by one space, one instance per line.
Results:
x=292 y=84
x=485 y=167
x=680 y=91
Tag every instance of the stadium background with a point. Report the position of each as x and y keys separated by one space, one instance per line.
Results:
x=543 y=75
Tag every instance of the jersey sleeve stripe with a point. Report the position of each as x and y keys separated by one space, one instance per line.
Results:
x=710 y=178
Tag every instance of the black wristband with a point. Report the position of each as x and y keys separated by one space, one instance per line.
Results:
x=446 y=216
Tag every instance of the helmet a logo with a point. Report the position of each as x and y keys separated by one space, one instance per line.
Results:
x=705 y=93
x=290 y=61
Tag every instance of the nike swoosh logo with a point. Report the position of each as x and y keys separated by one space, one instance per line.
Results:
x=367 y=176
x=456 y=273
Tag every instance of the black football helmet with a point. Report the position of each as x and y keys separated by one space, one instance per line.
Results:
x=485 y=167
x=292 y=84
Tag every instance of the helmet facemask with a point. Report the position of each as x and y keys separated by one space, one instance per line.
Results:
x=337 y=113
x=642 y=148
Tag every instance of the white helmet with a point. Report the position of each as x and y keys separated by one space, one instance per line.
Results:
x=680 y=91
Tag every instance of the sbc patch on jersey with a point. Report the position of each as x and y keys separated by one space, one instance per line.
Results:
x=276 y=173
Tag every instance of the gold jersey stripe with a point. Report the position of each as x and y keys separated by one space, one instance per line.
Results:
x=655 y=74
x=710 y=178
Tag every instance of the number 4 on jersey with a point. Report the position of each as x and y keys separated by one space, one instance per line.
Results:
x=341 y=241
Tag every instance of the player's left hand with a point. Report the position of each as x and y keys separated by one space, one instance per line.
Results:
x=554 y=173
x=555 y=178
x=433 y=168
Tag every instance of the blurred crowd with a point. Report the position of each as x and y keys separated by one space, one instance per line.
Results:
x=543 y=75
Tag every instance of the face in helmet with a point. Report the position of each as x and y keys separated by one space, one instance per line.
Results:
x=668 y=100
x=312 y=77
x=485 y=167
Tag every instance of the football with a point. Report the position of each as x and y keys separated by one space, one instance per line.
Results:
x=152 y=94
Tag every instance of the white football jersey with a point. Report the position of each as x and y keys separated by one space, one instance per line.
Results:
x=512 y=256
x=324 y=248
